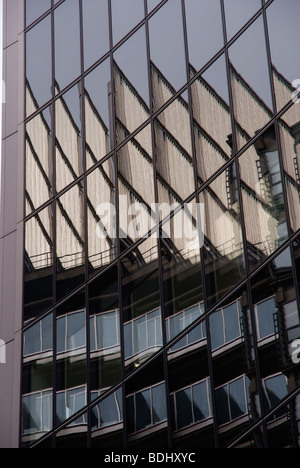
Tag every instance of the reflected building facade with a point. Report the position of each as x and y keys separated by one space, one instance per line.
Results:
x=139 y=339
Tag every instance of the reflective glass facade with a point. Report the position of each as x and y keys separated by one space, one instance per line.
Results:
x=135 y=334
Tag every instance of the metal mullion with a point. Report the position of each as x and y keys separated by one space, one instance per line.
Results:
x=114 y=156
x=159 y=243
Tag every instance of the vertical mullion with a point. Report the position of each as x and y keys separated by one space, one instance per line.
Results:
x=118 y=245
x=159 y=243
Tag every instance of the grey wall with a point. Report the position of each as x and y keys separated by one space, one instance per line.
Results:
x=11 y=222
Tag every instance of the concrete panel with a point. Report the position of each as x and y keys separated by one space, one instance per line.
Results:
x=8 y=297
x=10 y=23
x=10 y=76
x=9 y=185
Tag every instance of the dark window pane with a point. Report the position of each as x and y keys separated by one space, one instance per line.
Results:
x=61 y=334
x=265 y=317
x=38 y=65
x=184 y=408
x=217 y=329
x=109 y=411
x=237 y=399
x=95 y=30
x=159 y=404
x=76 y=331
x=32 y=340
x=143 y=410
x=200 y=402
x=232 y=325
x=222 y=405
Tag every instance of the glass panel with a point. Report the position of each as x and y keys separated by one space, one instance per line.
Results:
x=232 y=322
x=35 y=8
x=174 y=152
x=167 y=52
x=37 y=381
x=276 y=390
x=39 y=161
x=141 y=303
x=67 y=43
x=284 y=38
x=126 y=14
x=69 y=162
x=217 y=329
x=250 y=82
x=143 y=410
x=263 y=198
x=131 y=82
x=104 y=415
x=204 y=29
x=212 y=122
x=97 y=113
x=265 y=317
x=70 y=241
x=152 y=4
x=290 y=144
x=102 y=236
x=223 y=415
x=159 y=408
x=136 y=188
x=105 y=355
x=95 y=30
x=237 y=399
x=223 y=249
x=38 y=264
x=184 y=408
x=237 y=14
x=38 y=65
x=71 y=360
x=201 y=402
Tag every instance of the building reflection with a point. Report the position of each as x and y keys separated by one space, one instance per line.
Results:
x=60 y=230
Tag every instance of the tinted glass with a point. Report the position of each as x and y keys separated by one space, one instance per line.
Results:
x=35 y=8
x=238 y=13
x=284 y=38
x=250 y=82
x=167 y=51
x=125 y=15
x=38 y=65
x=204 y=29
x=95 y=30
x=67 y=43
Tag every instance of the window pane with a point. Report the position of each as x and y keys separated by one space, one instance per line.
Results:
x=143 y=410
x=276 y=389
x=76 y=331
x=200 y=402
x=67 y=43
x=109 y=411
x=238 y=12
x=107 y=330
x=32 y=413
x=237 y=399
x=159 y=404
x=167 y=48
x=250 y=82
x=205 y=31
x=265 y=315
x=216 y=329
x=222 y=405
x=35 y=8
x=232 y=325
x=38 y=65
x=32 y=340
x=61 y=334
x=47 y=333
x=184 y=408
x=125 y=14
x=95 y=30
